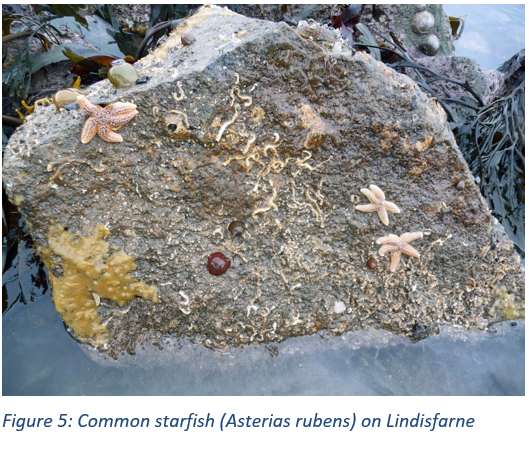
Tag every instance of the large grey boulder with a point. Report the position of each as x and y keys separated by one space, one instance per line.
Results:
x=257 y=123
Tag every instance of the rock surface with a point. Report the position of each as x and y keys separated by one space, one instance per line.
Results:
x=396 y=22
x=133 y=17
x=255 y=123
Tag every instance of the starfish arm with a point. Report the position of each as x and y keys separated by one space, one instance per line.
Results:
x=390 y=239
x=89 y=131
x=366 y=207
x=122 y=118
x=379 y=194
x=370 y=196
x=108 y=135
x=409 y=251
x=407 y=237
x=118 y=108
x=89 y=108
x=387 y=248
x=395 y=259
x=391 y=207
x=383 y=215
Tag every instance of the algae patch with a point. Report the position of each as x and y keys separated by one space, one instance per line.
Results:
x=506 y=303
x=80 y=266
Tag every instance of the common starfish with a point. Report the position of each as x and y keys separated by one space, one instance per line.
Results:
x=398 y=245
x=378 y=203
x=104 y=121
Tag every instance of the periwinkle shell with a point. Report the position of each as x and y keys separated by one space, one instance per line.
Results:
x=187 y=39
x=123 y=75
x=422 y=22
x=431 y=46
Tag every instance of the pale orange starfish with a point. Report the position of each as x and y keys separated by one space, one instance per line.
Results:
x=104 y=121
x=378 y=203
x=398 y=245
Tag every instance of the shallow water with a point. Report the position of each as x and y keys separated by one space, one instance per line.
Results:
x=40 y=358
x=492 y=33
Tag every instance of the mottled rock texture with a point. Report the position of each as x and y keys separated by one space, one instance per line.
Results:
x=255 y=123
x=133 y=17
x=395 y=22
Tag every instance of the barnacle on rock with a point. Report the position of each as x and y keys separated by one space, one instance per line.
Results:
x=236 y=228
x=176 y=123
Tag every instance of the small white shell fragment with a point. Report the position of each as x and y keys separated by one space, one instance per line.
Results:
x=337 y=47
x=339 y=307
x=96 y=298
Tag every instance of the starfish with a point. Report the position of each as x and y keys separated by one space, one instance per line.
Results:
x=378 y=203
x=398 y=245
x=104 y=121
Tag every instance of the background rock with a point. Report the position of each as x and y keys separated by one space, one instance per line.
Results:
x=396 y=22
x=133 y=17
x=255 y=123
